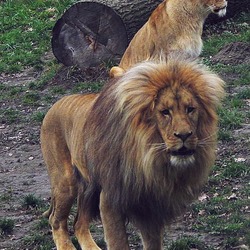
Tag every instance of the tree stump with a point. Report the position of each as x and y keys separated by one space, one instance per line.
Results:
x=87 y=34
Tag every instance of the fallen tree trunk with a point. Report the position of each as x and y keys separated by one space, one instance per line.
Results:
x=134 y=13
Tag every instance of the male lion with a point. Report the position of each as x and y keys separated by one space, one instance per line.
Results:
x=174 y=28
x=138 y=151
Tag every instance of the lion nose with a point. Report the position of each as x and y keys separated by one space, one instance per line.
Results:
x=183 y=136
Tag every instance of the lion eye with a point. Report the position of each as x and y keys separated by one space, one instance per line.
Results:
x=190 y=109
x=165 y=112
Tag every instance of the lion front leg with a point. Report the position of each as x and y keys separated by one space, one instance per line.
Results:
x=83 y=234
x=114 y=226
x=152 y=237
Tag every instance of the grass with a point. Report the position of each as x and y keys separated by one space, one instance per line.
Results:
x=38 y=241
x=230 y=118
x=229 y=32
x=31 y=201
x=6 y=226
x=224 y=212
x=187 y=243
x=25 y=32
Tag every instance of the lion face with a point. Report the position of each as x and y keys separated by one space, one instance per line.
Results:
x=217 y=6
x=177 y=114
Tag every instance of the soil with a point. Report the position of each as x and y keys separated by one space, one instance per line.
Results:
x=22 y=170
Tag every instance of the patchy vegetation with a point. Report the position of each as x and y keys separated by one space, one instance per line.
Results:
x=31 y=81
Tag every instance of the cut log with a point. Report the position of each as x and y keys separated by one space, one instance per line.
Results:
x=134 y=13
x=87 y=34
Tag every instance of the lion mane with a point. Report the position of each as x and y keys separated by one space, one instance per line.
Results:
x=122 y=135
x=117 y=143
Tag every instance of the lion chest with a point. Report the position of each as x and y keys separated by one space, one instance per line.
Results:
x=187 y=47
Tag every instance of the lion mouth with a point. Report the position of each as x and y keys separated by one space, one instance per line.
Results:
x=183 y=152
x=220 y=11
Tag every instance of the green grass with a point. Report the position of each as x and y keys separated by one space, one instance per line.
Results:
x=6 y=226
x=236 y=170
x=224 y=213
x=244 y=94
x=31 y=201
x=42 y=224
x=230 y=118
x=231 y=31
x=25 y=31
x=188 y=243
x=10 y=115
x=38 y=241
x=38 y=116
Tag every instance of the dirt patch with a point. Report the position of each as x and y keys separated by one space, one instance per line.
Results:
x=233 y=54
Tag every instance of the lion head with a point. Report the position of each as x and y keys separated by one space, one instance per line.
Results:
x=154 y=129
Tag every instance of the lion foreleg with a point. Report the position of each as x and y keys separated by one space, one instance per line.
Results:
x=83 y=234
x=62 y=239
x=114 y=226
x=152 y=238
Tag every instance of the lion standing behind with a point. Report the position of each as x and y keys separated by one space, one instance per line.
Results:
x=140 y=150
x=173 y=29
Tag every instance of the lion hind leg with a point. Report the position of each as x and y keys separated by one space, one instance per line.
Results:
x=84 y=236
x=87 y=210
x=61 y=203
x=64 y=186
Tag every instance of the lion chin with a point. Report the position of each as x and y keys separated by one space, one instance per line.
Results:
x=221 y=11
x=182 y=161
x=182 y=158
x=139 y=151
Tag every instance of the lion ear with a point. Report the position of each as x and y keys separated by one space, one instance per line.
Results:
x=116 y=72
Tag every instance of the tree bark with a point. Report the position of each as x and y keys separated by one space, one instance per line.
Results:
x=134 y=13
x=87 y=34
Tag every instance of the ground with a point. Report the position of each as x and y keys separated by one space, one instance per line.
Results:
x=22 y=170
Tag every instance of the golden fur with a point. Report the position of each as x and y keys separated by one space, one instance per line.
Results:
x=138 y=151
x=174 y=28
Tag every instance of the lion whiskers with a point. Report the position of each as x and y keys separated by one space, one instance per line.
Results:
x=159 y=147
x=209 y=140
x=176 y=161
